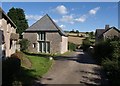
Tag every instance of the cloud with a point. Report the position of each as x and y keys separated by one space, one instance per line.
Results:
x=61 y=9
x=81 y=19
x=33 y=17
x=62 y=26
x=94 y=10
x=55 y=20
x=67 y=19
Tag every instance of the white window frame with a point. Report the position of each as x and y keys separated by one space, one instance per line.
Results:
x=42 y=36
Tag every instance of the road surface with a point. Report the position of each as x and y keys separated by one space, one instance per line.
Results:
x=80 y=68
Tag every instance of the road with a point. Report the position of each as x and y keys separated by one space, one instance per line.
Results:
x=80 y=68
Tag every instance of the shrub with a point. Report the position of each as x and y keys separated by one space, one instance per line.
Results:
x=103 y=50
x=71 y=46
x=10 y=67
x=86 y=44
x=18 y=55
x=113 y=71
x=108 y=52
x=24 y=44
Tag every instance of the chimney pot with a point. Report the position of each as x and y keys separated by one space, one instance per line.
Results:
x=106 y=26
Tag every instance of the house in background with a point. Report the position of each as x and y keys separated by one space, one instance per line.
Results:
x=46 y=37
x=107 y=33
x=8 y=33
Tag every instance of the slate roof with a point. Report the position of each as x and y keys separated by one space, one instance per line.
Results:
x=4 y=15
x=100 y=32
x=45 y=24
x=111 y=28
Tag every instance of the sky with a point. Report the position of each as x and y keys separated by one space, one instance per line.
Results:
x=82 y=16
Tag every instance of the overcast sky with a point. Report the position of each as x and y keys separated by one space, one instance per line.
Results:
x=82 y=16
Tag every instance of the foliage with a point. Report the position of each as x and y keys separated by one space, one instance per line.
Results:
x=86 y=44
x=71 y=46
x=18 y=55
x=112 y=69
x=102 y=50
x=15 y=74
x=91 y=34
x=17 y=15
x=24 y=44
x=40 y=65
x=10 y=67
x=77 y=31
x=73 y=31
x=86 y=33
x=108 y=54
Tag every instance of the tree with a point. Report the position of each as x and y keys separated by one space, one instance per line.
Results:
x=77 y=31
x=17 y=15
x=91 y=34
x=86 y=33
x=24 y=44
x=72 y=31
x=86 y=44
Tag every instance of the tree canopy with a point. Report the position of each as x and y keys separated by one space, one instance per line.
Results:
x=17 y=15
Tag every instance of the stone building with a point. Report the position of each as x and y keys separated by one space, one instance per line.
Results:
x=8 y=36
x=107 y=33
x=46 y=37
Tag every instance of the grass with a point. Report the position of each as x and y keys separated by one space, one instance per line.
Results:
x=40 y=65
x=37 y=67
x=68 y=53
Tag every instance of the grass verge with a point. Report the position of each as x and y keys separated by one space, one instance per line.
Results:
x=40 y=65
x=37 y=67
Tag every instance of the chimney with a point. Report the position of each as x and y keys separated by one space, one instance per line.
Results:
x=106 y=27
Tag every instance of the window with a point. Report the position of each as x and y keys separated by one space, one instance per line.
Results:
x=42 y=36
x=44 y=47
x=34 y=45
x=10 y=44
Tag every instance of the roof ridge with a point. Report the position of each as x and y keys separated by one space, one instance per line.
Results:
x=37 y=21
x=56 y=25
x=49 y=22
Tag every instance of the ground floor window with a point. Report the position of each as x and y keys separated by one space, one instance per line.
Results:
x=44 y=47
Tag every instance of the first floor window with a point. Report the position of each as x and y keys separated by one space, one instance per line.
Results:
x=44 y=47
x=41 y=35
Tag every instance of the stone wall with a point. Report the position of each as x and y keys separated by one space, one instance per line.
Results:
x=55 y=41
x=7 y=30
x=64 y=45
x=32 y=37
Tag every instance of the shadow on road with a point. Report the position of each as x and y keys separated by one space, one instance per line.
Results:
x=83 y=57
x=88 y=76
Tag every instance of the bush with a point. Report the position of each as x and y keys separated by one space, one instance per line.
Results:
x=10 y=67
x=86 y=44
x=71 y=46
x=103 y=50
x=24 y=44
x=108 y=54
x=18 y=55
x=113 y=71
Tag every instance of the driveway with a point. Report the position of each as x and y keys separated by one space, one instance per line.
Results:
x=79 y=68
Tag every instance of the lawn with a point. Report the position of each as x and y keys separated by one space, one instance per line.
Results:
x=32 y=68
x=40 y=65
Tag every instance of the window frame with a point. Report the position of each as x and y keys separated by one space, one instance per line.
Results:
x=42 y=36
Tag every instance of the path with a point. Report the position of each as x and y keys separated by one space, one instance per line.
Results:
x=77 y=69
